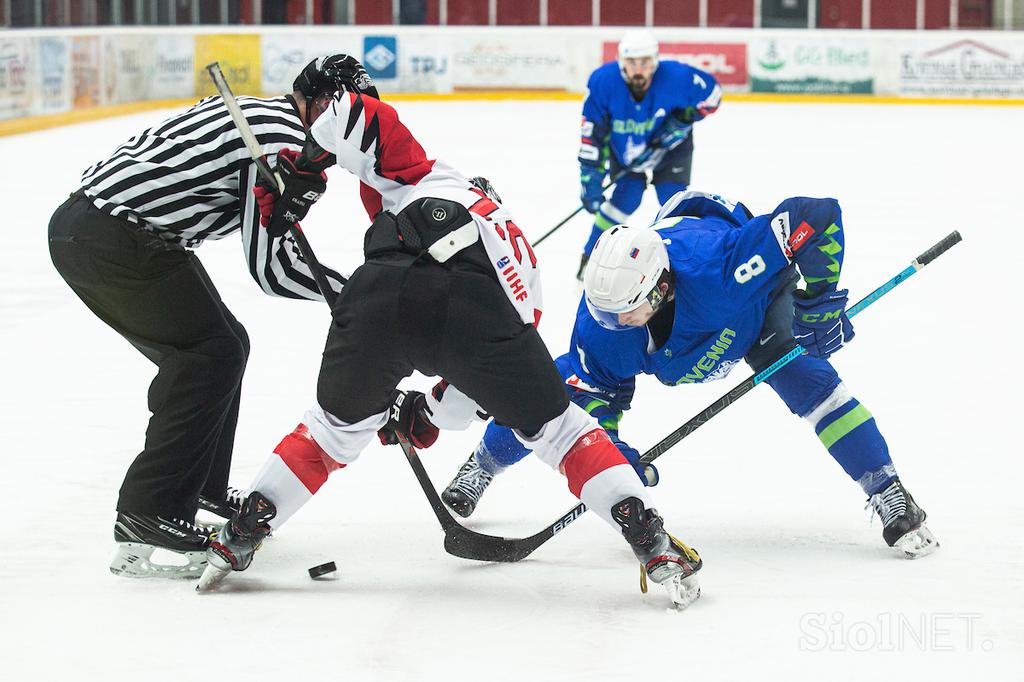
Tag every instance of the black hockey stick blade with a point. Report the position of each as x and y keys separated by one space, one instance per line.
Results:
x=458 y=540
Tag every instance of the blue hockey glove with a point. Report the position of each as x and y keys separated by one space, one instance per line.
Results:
x=673 y=130
x=820 y=323
x=591 y=187
x=648 y=473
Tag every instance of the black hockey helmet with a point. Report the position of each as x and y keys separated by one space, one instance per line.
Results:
x=327 y=74
x=485 y=186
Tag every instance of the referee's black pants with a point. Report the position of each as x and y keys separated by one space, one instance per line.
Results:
x=158 y=296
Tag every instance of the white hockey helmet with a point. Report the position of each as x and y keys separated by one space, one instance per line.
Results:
x=635 y=44
x=623 y=270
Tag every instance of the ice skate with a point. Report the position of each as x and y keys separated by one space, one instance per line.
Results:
x=238 y=540
x=138 y=536
x=225 y=507
x=903 y=522
x=463 y=493
x=663 y=558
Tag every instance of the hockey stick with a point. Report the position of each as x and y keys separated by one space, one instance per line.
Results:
x=458 y=540
x=256 y=152
x=517 y=549
x=618 y=176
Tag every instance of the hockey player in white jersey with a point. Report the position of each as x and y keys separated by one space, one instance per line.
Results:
x=450 y=288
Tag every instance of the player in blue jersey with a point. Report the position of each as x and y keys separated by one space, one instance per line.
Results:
x=710 y=285
x=638 y=118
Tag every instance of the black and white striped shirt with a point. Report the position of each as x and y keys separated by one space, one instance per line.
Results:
x=190 y=179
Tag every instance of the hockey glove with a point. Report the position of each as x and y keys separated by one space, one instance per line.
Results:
x=410 y=417
x=279 y=212
x=591 y=187
x=673 y=130
x=671 y=133
x=648 y=473
x=820 y=323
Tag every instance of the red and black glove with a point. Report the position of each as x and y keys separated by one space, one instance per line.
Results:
x=279 y=212
x=410 y=417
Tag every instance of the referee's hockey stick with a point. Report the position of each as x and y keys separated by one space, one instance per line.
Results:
x=517 y=549
x=256 y=152
x=458 y=540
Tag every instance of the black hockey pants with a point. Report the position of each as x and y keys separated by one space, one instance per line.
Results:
x=397 y=315
x=158 y=296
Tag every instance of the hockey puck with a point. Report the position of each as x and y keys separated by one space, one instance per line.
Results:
x=322 y=570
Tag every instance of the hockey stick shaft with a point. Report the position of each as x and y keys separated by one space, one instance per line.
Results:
x=458 y=540
x=618 y=176
x=760 y=377
x=523 y=547
x=256 y=152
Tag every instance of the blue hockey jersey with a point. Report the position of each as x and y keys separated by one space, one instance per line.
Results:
x=614 y=121
x=725 y=265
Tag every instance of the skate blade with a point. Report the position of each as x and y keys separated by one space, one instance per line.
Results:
x=211 y=578
x=683 y=591
x=917 y=543
x=134 y=560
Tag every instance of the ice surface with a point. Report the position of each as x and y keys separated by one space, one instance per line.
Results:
x=797 y=584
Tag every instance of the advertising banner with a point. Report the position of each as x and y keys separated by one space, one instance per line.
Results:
x=962 y=68
x=126 y=60
x=727 y=62
x=811 y=64
x=283 y=55
x=54 y=75
x=425 y=63
x=380 y=56
x=511 y=61
x=85 y=71
x=15 y=63
x=172 y=67
x=239 y=57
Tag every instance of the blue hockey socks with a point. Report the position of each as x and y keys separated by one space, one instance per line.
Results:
x=848 y=431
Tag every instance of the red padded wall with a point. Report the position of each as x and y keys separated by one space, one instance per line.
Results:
x=569 y=12
x=623 y=12
x=467 y=12
x=518 y=12
x=840 y=13
x=731 y=13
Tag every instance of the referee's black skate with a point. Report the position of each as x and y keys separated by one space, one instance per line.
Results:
x=138 y=536
x=226 y=506
x=903 y=521
x=663 y=558
x=463 y=493
x=238 y=540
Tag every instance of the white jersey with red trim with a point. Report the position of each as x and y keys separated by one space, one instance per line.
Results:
x=371 y=143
